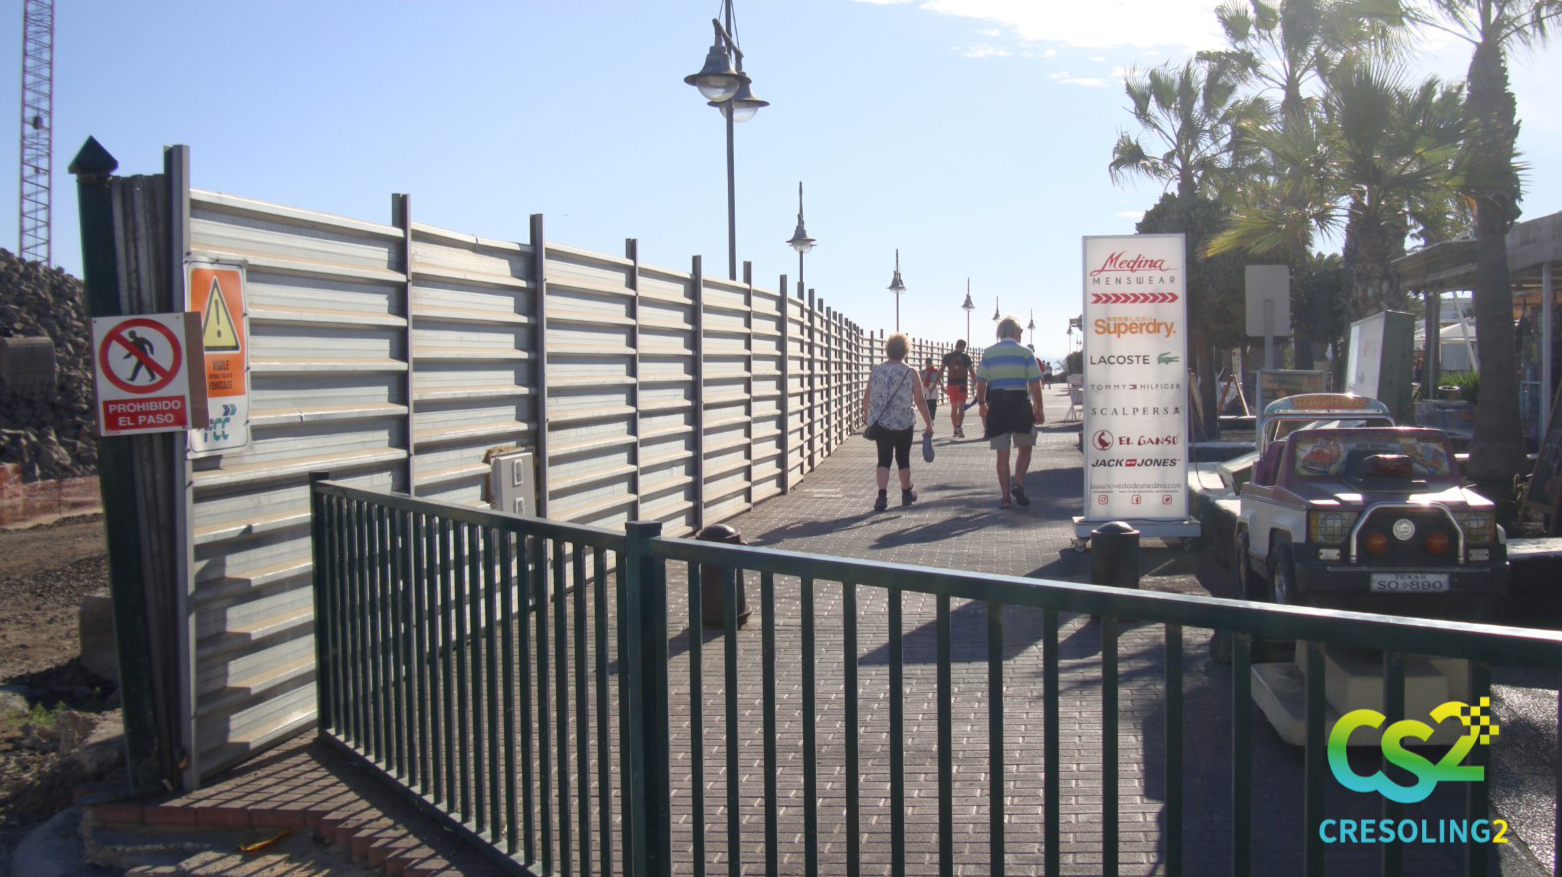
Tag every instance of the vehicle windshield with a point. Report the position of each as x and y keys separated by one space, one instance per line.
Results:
x=1283 y=427
x=1327 y=456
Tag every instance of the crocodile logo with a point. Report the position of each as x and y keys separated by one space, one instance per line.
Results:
x=1166 y=358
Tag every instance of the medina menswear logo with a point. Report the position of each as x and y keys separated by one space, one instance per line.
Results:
x=1479 y=729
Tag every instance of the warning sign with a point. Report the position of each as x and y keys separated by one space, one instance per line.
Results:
x=142 y=370
x=218 y=334
x=217 y=293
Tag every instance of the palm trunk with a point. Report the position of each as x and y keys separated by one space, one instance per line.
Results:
x=1498 y=448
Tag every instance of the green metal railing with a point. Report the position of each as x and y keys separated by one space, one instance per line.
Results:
x=471 y=655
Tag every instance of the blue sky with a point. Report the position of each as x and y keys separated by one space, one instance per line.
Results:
x=971 y=134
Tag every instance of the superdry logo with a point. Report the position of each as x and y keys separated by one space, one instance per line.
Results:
x=1120 y=326
x=1132 y=298
x=1142 y=463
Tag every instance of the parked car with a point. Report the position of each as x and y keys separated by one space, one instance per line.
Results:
x=1370 y=518
x=1305 y=411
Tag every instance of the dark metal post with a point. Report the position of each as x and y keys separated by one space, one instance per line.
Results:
x=698 y=280
x=540 y=364
x=784 y=302
x=325 y=663
x=632 y=253
x=401 y=217
x=647 y=763
x=732 y=202
x=93 y=167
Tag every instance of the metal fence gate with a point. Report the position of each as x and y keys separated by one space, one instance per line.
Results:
x=550 y=691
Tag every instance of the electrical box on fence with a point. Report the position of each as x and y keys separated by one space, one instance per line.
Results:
x=512 y=483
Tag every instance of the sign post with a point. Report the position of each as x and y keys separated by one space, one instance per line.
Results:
x=1135 y=382
x=143 y=376
x=1268 y=305
x=217 y=294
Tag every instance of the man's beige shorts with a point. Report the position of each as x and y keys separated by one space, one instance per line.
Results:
x=1012 y=439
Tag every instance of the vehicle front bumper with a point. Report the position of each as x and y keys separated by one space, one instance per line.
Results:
x=1339 y=582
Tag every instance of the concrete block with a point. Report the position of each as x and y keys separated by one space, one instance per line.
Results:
x=99 y=653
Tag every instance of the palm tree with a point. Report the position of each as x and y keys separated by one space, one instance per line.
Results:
x=1393 y=154
x=1489 y=178
x=1193 y=111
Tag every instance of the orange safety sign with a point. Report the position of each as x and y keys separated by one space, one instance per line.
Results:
x=217 y=292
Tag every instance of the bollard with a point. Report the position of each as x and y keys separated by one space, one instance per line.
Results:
x=1114 y=555
x=712 y=599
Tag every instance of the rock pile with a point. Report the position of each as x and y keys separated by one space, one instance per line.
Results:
x=48 y=436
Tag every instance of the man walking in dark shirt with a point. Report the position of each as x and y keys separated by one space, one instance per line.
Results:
x=955 y=373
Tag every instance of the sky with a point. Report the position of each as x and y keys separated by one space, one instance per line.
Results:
x=971 y=135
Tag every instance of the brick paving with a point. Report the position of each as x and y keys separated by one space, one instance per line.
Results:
x=955 y=524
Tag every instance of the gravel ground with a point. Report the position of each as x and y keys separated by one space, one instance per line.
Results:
x=44 y=573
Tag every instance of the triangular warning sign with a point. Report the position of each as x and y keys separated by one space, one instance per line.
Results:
x=217 y=332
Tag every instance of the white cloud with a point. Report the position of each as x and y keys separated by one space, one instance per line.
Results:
x=1063 y=77
x=986 y=51
x=1175 y=24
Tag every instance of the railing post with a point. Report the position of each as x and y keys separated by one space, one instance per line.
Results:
x=325 y=661
x=646 y=758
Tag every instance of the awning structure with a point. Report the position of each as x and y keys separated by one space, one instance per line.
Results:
x=1534 y=255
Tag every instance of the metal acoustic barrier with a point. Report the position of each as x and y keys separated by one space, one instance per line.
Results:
x=544 y=689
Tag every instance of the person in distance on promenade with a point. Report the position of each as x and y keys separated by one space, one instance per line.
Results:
x=954 y=374
x=893 y=398
x=1008 y=391
x=930 y=387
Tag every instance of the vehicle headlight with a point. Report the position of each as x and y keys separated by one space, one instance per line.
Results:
x=1330 y=528
x=1480 y=528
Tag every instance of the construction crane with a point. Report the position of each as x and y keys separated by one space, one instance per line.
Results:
x=37 y=128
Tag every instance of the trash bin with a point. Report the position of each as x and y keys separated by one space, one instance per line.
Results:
x=1114 y=555
x=713 y=600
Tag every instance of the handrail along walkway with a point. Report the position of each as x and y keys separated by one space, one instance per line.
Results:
x=438 y=666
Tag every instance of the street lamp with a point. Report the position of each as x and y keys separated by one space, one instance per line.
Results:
x=727 y=88
x=898 y=288
x=968 y=307
x=800 y=241
x=997 y=314
x=1032 y=328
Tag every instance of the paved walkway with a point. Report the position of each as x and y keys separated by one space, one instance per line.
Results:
x=956 y=523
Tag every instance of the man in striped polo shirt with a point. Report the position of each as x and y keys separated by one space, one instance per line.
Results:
x=1008 y=389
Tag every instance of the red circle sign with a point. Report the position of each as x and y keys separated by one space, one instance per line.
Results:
x=161 y=376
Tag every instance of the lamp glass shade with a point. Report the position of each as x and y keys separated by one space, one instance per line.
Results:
x=717 y=80
x=743 y=104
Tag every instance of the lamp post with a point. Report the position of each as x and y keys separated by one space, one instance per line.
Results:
x=898 y=288
x=727 y=88
x=997 y=314
x=968 y=307
x=1032 y=328
x=800 y=241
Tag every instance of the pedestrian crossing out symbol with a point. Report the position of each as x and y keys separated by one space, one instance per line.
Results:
x=217 y=332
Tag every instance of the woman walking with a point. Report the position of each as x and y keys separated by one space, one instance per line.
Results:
x=894 y=390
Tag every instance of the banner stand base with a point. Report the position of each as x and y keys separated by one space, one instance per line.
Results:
x=1189 y=528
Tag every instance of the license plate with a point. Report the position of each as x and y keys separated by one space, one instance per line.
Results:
x=1409 y=582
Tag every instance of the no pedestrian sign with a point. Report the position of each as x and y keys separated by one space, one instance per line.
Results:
x=143 y=378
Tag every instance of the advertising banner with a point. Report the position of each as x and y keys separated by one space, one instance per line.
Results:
x=1136 y=378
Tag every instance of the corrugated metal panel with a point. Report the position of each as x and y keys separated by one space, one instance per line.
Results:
x=328 y=360
x=473 y=342
x=397 y=356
